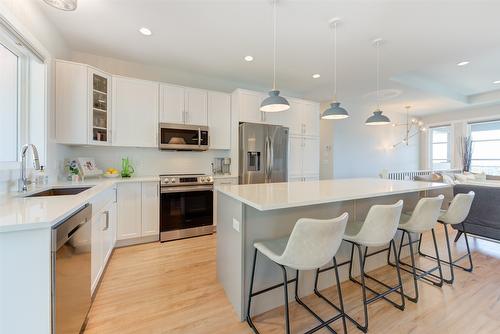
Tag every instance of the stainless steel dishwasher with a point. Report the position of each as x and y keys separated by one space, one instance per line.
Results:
x=71 y=299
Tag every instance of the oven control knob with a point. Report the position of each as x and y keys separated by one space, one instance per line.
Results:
x=210 y=179
x=203 y=179
x=172 y=180
x=165 y=180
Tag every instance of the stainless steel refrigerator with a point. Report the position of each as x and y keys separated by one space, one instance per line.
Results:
x=263 y=153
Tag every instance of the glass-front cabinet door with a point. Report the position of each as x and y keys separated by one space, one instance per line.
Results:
x=100 y=107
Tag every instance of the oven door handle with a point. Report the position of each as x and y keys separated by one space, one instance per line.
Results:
x=184 y=189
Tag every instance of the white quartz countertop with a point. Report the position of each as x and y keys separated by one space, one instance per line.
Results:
x=273 y=196
x=18 y=212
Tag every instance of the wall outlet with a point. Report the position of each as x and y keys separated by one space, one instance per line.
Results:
x=236 y=225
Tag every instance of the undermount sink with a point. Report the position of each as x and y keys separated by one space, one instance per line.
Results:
x=59 y=192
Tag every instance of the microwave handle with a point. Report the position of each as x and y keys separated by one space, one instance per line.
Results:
x=199 y=136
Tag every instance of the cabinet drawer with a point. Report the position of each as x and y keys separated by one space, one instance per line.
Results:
x=103 y=199
x=225 y=181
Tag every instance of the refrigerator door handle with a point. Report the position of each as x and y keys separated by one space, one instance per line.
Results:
x=271 y=157
x=268 y=158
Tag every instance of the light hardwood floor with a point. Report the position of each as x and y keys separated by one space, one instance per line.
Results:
x=172 y=288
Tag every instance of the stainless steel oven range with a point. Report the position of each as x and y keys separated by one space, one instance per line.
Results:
x=186 y=206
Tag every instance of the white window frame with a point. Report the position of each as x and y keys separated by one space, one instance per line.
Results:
x=469 y=133
x=449 y=141
x=22 y=98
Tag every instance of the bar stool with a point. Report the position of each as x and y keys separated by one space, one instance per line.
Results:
x=422 y=219
x=312 y=244
x=378 y=229
x=456 y=214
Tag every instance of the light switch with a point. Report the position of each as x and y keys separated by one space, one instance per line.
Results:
x=236 y=225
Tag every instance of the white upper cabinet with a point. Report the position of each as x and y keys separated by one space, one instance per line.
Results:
x=135 y=112
x=72 y=97
x=100 y=107
x=172 y=104
x=311 y=118
x=303 y=118
x=196 y=106
x=181 y=105
x=248 y=103
x=219 y=120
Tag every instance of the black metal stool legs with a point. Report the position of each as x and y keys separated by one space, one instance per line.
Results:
x=285 y=283
x=363 y=275
x=418 y=273
x=451 y=263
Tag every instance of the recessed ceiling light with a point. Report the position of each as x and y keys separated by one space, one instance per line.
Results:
x=316 y=76
x=248 y=58
x=496 y=82
x=145 y=31
x=463 y=63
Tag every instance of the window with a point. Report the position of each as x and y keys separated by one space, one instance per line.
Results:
x=485 y=138
x=22 y=99
x=440 y=151
x=9 y=104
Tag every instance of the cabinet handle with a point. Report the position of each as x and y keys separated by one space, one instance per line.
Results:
x=106 y=213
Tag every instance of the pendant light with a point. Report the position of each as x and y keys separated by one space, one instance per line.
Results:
x=274 y=102
x=67 y=5
x=335 y=111
x=377 y=118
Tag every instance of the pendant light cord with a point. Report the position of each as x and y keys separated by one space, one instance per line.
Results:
x=275 y=43
x=378 y=74
x=335 y=61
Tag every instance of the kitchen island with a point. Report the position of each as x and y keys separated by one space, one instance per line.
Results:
x=248 y=213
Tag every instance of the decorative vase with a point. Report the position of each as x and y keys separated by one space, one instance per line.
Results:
x=127 y=169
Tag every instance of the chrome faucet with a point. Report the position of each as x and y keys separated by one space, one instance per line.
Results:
x=23 y=182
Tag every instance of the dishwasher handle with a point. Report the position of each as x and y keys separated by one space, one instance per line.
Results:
x=64 y=230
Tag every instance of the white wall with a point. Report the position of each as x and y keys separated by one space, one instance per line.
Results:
x=458 y=119
x=325 y=147
x=27 y=18
x=150 y=161
x=364 y=151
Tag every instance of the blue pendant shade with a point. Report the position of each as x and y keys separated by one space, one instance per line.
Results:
x=378 y=119
x=274 y=102
x=335 y=111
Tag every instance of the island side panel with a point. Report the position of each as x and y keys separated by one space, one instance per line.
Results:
x=230 y=249
x=25 y=281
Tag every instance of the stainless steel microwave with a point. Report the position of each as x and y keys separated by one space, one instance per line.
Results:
x=181 y=137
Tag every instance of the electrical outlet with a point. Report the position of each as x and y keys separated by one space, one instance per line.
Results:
x=236 y=225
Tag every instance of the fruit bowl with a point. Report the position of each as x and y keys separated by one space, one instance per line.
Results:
x=111 y=175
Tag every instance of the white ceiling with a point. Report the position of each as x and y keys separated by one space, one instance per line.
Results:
x=423 y=42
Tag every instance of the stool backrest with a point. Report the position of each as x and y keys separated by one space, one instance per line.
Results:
x=313 y=242
x=380 y=225
x=459 y=208
x=425 y=214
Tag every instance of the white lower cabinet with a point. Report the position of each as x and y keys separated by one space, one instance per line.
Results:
x=129 y=202
x=103 y=234
x=138 y=210
x=150 y=211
